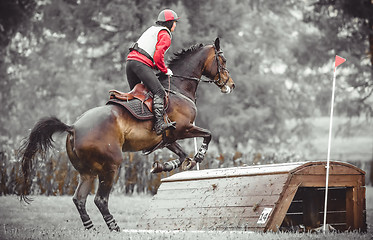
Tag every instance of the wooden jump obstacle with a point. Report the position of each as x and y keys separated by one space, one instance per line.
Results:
x=273 y=197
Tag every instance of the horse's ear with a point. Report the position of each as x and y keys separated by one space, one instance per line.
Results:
x=217 y=44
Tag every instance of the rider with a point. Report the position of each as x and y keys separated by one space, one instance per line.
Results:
x=147 y=53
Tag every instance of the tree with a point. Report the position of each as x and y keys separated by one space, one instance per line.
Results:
x=15 y=16
x=74 y=52
x=71 y=55
x=346 y=28
x=271 y=85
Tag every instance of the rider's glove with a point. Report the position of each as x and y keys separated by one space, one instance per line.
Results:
x=169 y=72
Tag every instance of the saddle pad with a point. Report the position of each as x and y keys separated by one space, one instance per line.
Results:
x=135 y=107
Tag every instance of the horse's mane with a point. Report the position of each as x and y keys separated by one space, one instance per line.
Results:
x=182 y=54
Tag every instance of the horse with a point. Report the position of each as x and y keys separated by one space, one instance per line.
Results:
x=96 y=141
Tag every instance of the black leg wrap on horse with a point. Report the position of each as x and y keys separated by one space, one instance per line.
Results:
x=80 y=205
x=201 y=153
x=87 y=223
x=110 y=222
x=158 y=109
x=171 y=165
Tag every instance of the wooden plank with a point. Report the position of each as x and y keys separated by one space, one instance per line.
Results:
x=282 y=206
x=359 y=214
x=251 y=183
x=196 y=193
x=213 y=212
x=319 y=180
x=335 y=167
x=212 y=201
x=334 y=170
x=350 y=208
x=226 y=222
x=185 y=223
x=280 y=168
x=362 y=207
x=261 y=189
x=203 y=213
x=355 y=207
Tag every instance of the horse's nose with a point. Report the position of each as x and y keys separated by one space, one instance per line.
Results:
x=231 y=83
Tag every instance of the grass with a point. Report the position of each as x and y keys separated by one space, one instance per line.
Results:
x=57 y=218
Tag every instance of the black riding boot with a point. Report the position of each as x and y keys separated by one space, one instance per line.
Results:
x=158 y=109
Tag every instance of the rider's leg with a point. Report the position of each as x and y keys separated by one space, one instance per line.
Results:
x=144 y=73
x=132 y=78
x=158 y=108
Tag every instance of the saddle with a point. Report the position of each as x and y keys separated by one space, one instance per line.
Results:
x=139 y=101
x=139 y=92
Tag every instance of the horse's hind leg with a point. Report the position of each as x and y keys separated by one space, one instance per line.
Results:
x=80 y=198
x=106 y=180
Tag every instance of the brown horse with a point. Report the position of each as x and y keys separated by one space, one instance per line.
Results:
x=95 y=142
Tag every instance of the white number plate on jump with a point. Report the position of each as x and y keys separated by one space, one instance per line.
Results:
x=264 y=216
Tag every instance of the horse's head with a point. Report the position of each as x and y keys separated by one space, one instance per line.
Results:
x=215 y=69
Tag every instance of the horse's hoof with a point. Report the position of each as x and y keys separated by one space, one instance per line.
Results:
x=157 y=167
x=188 y=164
x=117 y=229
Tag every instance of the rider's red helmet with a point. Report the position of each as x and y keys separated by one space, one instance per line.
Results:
x=167 y=15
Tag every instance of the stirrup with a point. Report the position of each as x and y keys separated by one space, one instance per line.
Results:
x=170 y=125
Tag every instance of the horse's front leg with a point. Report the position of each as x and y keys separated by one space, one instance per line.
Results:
x=187 y=163
x=173 y=164
x=200 y=132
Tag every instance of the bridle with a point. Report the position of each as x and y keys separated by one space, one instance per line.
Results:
x=219 y=82
x=220 y=68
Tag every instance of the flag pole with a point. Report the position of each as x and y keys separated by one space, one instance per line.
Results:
x=338 y=61
x=328 y=156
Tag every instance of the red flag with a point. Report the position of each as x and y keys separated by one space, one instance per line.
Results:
x=339 y=60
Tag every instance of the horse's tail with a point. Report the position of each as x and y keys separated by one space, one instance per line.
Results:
x=39 y=141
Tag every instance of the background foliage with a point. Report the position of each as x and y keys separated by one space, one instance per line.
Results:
x=61 y=57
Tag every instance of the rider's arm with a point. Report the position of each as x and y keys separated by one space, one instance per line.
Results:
x=163 y=43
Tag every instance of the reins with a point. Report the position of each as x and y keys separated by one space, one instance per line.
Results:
x=177 y=93
x=181 y=95
x=194 y=78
